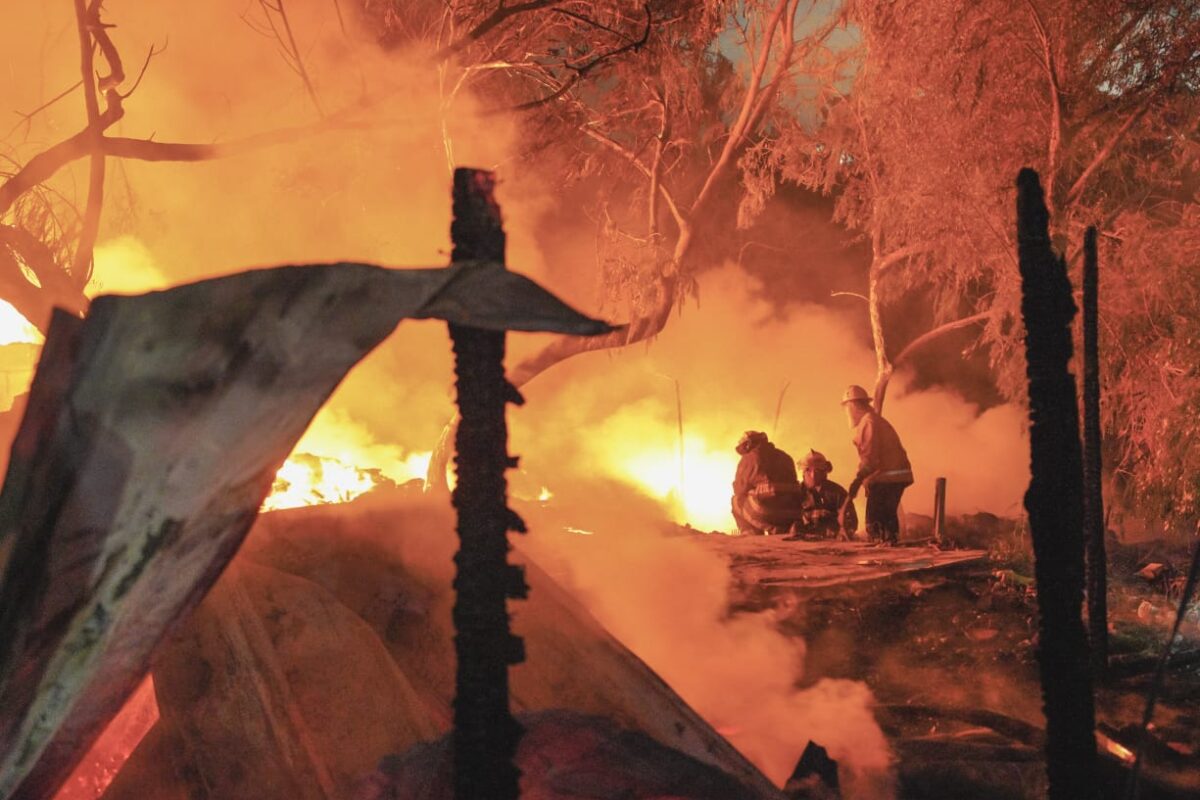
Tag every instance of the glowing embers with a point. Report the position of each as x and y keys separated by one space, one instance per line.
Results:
x=97 y=769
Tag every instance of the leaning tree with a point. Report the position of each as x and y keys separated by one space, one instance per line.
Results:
x=669 y=140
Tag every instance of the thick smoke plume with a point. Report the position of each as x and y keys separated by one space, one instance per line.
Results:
x=738 y=367
x=666 y=598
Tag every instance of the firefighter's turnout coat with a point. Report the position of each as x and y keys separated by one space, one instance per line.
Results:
x=767 y=497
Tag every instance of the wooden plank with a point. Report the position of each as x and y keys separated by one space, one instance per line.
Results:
x=772 y=561
x=161 y=423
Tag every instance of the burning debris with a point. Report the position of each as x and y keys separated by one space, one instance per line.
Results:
x=308 y=480
x=176 y=408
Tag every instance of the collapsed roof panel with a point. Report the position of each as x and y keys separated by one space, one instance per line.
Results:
x=153 y=434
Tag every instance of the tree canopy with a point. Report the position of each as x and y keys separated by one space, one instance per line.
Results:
x=950 y=100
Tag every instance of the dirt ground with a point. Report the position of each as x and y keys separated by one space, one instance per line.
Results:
x=950 y=656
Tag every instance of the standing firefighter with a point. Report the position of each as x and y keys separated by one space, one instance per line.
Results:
x=823 y=500
x=766 y=493
x=883 y=467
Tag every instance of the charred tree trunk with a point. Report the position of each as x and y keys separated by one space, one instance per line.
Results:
x=1093 y=496
x=1055 y=502
x=485 y=733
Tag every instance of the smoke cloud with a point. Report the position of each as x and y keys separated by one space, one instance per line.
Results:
x=666 y=598
x=739 y=366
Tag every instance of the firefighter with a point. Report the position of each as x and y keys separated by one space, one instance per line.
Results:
x=823 y=500
x=883 y=466
x=767 y=496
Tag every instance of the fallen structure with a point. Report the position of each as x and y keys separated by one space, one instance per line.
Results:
x=325 y=653
x=152 y=435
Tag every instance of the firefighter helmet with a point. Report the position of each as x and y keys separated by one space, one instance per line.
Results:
x=749 y=441
x=815 y=460
x=855 y=394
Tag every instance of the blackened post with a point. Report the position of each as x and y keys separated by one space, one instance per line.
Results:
x=485 y=733
x=939 y=510
x=1093 y=492
x=1055 y=502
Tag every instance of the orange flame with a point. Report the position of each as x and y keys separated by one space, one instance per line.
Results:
x=695 y=485
x=336 y=461
x=308 y=480
x=15 y=329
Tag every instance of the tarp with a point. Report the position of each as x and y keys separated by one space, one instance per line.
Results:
x=154 y=430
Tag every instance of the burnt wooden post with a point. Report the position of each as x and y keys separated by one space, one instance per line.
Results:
x=1055 y=502
x=939 y=510
x=1093 y=496
x=485 y=733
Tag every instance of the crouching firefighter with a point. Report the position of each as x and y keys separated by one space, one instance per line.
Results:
x=823 y=500
x=767 y=498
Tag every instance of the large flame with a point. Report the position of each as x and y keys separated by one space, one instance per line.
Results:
x=694 y=480
x=691 y=474
x=20 y=343
x=336 y=461
x=307 y=480
x=15 y=329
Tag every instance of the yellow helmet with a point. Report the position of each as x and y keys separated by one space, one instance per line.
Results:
x=855 y=394
x=816 y=461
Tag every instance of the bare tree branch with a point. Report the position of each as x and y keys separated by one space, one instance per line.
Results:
x=337 y=9
x=87 y=21
x=740 y=126
x=899 y=254
x=99 y=31
x=489 y=22
x=1105 y=151
x=54 y=287
x=941 y=330
x=45 y=164
x=27 y=117
x=680 y=220
x=593 y=23
x=287 y=42
x=142 y=72
x=660 y=141
x=581 y=70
